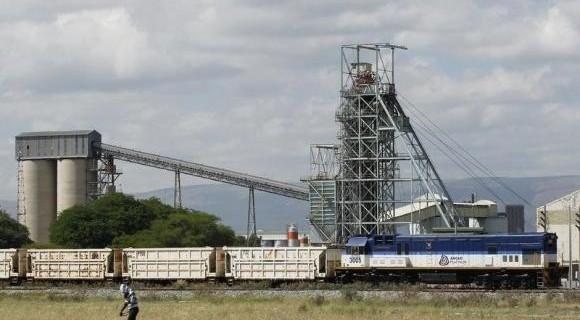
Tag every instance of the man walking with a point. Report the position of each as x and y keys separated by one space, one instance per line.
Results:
x=130 y=302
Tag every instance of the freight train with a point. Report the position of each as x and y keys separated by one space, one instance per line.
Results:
x=523 y=260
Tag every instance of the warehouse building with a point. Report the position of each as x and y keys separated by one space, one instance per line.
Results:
x=559 y=216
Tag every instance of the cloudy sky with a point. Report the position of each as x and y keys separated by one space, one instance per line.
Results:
x=248 y=85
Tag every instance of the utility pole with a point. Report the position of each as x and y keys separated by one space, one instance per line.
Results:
x=177 y=190
x=578 y=227
x=569 y=246
x=251 y=228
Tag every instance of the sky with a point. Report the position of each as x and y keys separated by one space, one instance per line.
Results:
x=249 y=85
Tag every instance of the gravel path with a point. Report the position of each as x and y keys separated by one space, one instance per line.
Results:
x=161 y=294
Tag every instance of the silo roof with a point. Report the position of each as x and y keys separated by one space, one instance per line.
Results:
x=56 y=144
x=55 y=133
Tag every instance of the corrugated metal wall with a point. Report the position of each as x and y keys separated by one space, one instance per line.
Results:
x=54 y=145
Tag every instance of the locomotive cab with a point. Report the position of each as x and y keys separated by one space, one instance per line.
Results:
x=355 y=253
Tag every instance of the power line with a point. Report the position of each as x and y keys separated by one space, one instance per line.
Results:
x=475 y=162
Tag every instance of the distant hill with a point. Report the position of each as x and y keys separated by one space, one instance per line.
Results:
x=230 y=203
x=273 y=212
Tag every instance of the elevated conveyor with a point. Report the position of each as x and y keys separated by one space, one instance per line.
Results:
x=202 y=171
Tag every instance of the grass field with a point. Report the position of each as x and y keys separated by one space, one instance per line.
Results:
x=349 y=306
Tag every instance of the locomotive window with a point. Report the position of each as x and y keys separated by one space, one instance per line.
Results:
x=406 y=249
x=356 y=250
x=398 y=249
x=516 y=258
x=504 y=258
x=511 y=258
x=352 y=250
x=492 y=250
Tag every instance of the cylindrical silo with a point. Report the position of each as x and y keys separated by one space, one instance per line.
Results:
x=304 y=241
x=72 y=179
x=39 y=179
x=293 y=236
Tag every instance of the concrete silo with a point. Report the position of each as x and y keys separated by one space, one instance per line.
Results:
x=55 y=172
x=39 y=178
x=74 y=177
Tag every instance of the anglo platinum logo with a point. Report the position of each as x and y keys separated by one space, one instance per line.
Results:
x=444 y=260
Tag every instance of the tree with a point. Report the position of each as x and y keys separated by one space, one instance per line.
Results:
x=181 y=229
x=12 y=233
x=82 y=227
x=121 y=220
x=96 y=224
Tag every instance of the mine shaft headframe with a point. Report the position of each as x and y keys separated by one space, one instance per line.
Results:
x=367 y=81
x=360 y=71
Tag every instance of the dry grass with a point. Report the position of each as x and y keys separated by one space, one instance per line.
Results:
x=48 y=307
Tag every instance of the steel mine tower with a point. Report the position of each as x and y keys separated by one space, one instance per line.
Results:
x=383 y=165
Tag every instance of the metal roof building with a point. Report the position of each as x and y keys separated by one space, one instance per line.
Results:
x=559 y=216
x=56 y=171
x=56 y=144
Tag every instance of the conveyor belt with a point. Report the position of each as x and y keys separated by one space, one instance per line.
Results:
x=203 y=171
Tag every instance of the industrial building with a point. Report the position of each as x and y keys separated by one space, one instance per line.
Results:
x=56 y=170
x=61 y=169
x=382 y=163
x=560 y=217
x=378 y=178
x=515 y=217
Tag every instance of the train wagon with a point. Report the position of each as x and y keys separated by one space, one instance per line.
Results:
x=172 y=264
x=8 y=263
x=67 y=264
x=275 y=263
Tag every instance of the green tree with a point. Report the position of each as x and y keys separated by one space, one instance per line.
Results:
x=83 y=227
x=96 y=225
x=121 y=220
x=12 y=233
x=181 y=229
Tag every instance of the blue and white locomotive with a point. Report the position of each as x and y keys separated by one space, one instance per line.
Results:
x=512 y=260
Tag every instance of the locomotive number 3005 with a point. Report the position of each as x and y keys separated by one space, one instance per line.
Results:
x=355 y=259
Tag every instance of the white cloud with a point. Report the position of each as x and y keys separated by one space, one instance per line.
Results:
x=248 y=85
